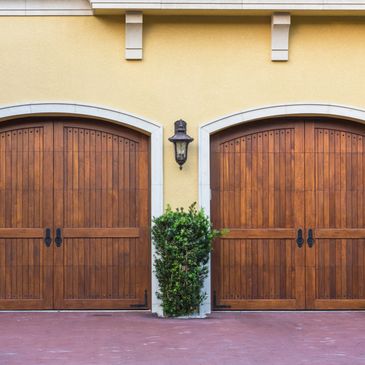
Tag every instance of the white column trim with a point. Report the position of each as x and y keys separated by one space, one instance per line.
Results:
x=205 y=130
x=280 y=25
x=153 y=129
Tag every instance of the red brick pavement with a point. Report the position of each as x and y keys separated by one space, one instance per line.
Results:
x=116 y=338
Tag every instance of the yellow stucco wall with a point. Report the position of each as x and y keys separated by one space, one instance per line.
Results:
x=195 y=68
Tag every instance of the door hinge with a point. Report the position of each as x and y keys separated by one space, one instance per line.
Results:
x=218 y=306
x=141 y=305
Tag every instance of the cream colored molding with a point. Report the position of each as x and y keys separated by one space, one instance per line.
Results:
x=250 y=5
x=153 y=129
x=206 y=130
x=45 y=7
x=90 y=7
x=133 y=35
x=280 y=25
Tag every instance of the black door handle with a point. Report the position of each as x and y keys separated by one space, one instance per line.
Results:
x=300 y=239
x=310 y=239
x=47 y=238
x=58 y=238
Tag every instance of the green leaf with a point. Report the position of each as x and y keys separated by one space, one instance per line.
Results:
x=183 y=242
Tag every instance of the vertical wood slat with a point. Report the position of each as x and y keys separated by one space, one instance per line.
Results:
x=87 y=219
x=114 y=217
x=24 y=212
x=360 y=212
x=14 y=246
x=37 y=208
x=31 y=211
x=98 y=205
x=92 y=211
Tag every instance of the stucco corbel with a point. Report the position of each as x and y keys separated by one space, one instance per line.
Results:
x=134 y=35
x=280 y=25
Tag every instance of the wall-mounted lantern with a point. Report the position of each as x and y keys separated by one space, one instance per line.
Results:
x=181 y=141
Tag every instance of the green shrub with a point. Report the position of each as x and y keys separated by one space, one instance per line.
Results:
x=183 y=241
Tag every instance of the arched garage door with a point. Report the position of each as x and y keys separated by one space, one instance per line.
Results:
x=74 y=215
x=291 y=192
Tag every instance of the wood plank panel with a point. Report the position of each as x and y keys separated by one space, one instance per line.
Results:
x=340 y=233
x=257 y=175
x=22 y=233
x=334 y=199
x=26 y=190
x=255 y=196
x=235 y=233
x=101 y=204
x=100 y=232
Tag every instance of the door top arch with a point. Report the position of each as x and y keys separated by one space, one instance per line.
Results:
x=79 y=110
x=284 y=110
x=153 y=129
x=249 y=115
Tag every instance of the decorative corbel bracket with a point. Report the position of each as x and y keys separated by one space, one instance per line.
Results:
x=134 y=35
x=280 y=25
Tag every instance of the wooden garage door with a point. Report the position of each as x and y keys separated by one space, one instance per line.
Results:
x=335 y=191
x=291 y=194
x=88 y=184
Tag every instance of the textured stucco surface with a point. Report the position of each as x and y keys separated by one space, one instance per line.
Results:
x=196 y=68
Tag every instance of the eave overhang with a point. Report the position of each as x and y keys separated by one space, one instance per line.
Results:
x=230 y=7
x=182 y=7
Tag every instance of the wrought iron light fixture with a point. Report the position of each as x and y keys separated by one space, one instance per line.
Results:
x=181 y=141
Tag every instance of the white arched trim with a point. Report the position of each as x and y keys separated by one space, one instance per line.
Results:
x=287 y=110
x=154 y=130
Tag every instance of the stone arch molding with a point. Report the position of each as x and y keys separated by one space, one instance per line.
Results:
x=205 y=130
x=154 y=130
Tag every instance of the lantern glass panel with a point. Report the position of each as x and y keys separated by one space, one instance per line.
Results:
x=181 y=150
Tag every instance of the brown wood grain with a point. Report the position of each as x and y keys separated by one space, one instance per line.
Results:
x=21 y=233
x=100 y=232
x=102 y=207
x=26 y=209
x=258 y=195
x=270 y=179
x=91 y=180
x=335 y=264
x=271 y=233
x=340 y=233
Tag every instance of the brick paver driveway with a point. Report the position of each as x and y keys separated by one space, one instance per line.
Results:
x=225 y=338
